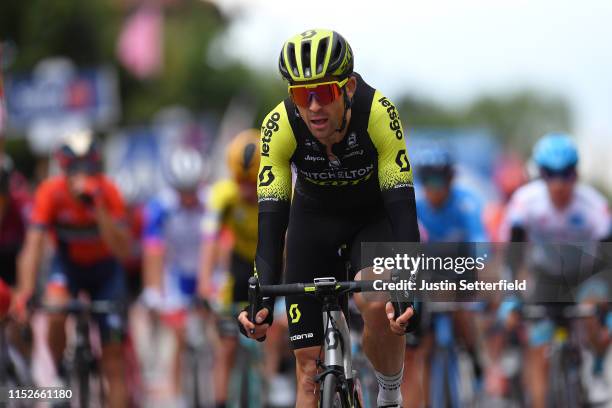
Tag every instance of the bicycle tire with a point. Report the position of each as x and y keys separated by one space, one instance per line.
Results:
x=330 y=396
x=82 y=381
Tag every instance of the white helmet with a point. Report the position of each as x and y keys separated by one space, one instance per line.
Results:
x=184 y=168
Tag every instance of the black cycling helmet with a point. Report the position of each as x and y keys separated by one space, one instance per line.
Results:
x=314 y=54
x=80 y=151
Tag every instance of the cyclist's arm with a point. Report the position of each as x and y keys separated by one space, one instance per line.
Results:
x=115 y=235
x=153 y=246
x=111 y=219
x=29 y=260
x=473 y=221
x=208 y=260
x=516 y=232
x=274 y=194
x=394 y=171
x=217 y=202
x=41 y=219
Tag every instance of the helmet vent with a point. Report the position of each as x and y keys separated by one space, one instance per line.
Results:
x=249 y=153
x=306 y=58
x=321 y=51
x=292 y=61
x=337 y=50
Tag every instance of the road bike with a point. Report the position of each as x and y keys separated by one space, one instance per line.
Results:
x=336 y=377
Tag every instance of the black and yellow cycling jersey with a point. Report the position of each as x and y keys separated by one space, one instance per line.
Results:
x=225 y=207
x=370 y=173
x=370 y=160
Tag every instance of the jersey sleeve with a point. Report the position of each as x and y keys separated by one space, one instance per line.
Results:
x=394 y=171
x=43 y=209
x=516 y=215
x=600 y=214
x=220 y=198
x=385 y=129
x=277 y=147
x=154 y=216
x=274 y=193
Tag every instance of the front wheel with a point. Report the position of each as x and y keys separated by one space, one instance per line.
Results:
x=330 y=396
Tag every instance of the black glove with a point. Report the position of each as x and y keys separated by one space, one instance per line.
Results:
x=415 y=320
x=265 y=304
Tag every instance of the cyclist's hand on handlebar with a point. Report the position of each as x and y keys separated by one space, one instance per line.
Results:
x=19 y=307
x=152 y=298
x=255 y=331
x=398 y=326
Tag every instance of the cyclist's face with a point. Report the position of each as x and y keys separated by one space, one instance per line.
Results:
x=77 y=182
x=560 y=191
x=437 y=195
x=188 y=198
x=323 y=120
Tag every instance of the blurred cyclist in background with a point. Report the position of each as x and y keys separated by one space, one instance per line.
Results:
x=448 y=213
x=554 y=209
x=134 y=205
x=508 y=175
x=84 y=213
x=232 y=204
x=12 y=224
x=12 y=233
x=171 y=247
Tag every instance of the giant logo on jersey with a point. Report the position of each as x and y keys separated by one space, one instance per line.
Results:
x=394 y=121
x=267 y=131
x=266 y=177
x=402 y=160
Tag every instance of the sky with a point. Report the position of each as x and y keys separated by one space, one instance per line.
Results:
x=452 y=50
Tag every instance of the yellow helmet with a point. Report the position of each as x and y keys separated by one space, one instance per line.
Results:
x=314 y=54
x=243 y=155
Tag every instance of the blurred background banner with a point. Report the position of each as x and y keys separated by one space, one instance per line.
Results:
x=56 y=89
x=466 y=71
x=133 y=161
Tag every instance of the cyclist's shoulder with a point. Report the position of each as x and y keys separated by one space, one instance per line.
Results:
x=223 y=194
x=465 y=199
x=160 y=204
x=383 y=117
x=277 y=132
x=53 y=183
x=535 y=190
x=590 y=196
x=109 y=187
x=277 y=120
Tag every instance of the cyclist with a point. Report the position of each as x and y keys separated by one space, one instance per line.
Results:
x=171 y=247
x=509 y=174
x=12 y=224
x=449 y=213
x=232 y=204
x=354 y=184
x=134 y=204
x=553 y=209
x=84 y=213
